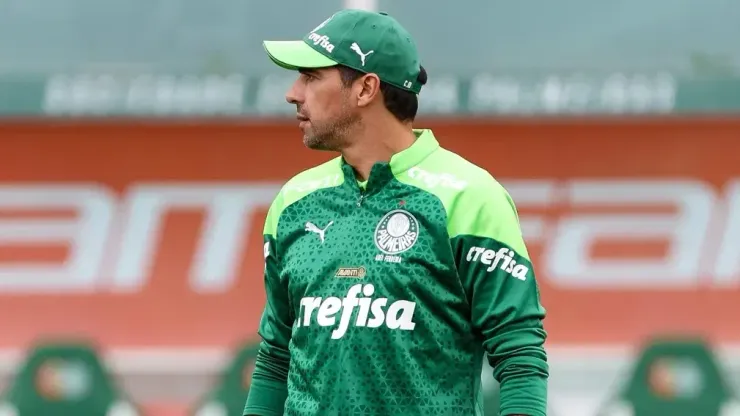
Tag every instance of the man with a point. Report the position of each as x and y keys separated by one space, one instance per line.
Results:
x=392 y=269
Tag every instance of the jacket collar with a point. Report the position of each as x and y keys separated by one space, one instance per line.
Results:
x=424 y=145
x=382 y=172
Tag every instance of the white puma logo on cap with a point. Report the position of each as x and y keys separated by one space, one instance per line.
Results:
x=355 y=47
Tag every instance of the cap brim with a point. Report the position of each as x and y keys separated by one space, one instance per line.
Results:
x=295 y=54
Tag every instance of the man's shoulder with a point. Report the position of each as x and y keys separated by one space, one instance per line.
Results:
x=477 y=177
x=301 y=185
x=451 y=176
x=480 y=205
x=325 y=175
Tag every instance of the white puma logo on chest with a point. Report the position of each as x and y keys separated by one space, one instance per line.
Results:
x=312 y=228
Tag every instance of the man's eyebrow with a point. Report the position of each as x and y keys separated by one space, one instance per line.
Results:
x=308 y=71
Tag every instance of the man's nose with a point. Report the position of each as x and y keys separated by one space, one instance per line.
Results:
x=294 y=94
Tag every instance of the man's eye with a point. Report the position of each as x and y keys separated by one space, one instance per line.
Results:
x=308 y=77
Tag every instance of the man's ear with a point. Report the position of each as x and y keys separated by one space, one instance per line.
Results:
x=368 y=89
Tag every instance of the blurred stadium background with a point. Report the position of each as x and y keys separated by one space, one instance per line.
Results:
x=141 y=141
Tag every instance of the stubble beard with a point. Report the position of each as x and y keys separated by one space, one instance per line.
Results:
x=333 y=135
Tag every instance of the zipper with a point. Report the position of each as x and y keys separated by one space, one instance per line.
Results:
x=360 y=199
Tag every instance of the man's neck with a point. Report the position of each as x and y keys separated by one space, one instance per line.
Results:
x=377 y=144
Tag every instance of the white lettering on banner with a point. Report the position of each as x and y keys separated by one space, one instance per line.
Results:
x=125 y=232
x=441 y=95
x=700 y=218
x=727 y=268
x=85 y=234
x=568 y=255
x=533 y=193
x=617 y=93
x=270 y=94
x=217 y=255
x=113 y=241
x=144 y=94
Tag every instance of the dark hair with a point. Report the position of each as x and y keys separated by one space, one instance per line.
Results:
x=401 y=103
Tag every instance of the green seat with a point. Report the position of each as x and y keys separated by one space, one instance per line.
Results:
x=64 y=379
x=232 y=388
x=676 y=377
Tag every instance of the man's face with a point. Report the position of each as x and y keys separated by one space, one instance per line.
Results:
x=323 y=108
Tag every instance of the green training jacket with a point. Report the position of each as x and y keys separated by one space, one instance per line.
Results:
x=383 y=297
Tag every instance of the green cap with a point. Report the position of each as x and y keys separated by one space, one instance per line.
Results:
x=366 y=41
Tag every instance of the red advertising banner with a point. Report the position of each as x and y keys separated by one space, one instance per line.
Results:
x=149 y=235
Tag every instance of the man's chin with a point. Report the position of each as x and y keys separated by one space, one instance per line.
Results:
x=315 y=146
x=315 y=143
